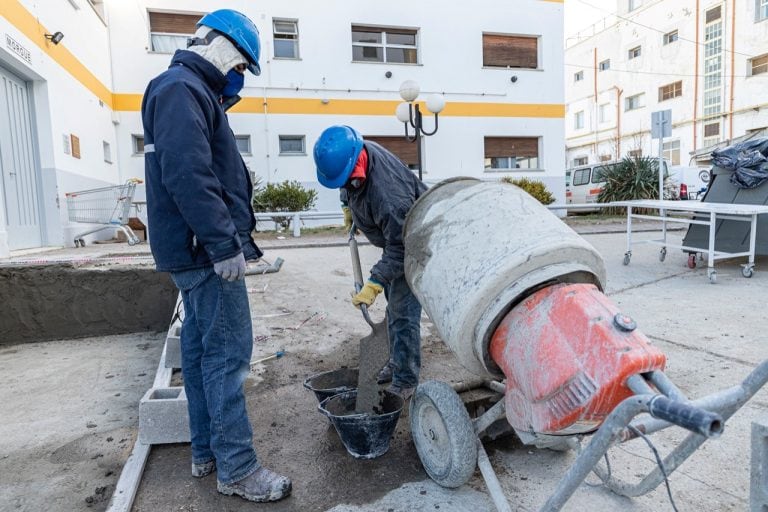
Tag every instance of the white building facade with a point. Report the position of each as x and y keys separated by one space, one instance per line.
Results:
x=499 y=69
x=705 y=60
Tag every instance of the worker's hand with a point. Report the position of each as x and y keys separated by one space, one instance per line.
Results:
x=368 y=294
x=347 y=218
x=232 y=269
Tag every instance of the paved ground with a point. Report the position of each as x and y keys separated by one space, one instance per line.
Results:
x=51 y=457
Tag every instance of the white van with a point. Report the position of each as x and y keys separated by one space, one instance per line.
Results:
x=691 y=182
x=583 y=184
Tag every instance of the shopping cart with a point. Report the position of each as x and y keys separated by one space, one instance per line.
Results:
x=109 y=206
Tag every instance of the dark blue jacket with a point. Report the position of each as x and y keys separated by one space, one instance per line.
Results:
x=379 y=208
x=198 y=187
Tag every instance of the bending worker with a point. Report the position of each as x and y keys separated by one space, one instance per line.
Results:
x=201 y=219
x=380 y=190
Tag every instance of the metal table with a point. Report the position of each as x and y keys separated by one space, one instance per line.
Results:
x=669 y=211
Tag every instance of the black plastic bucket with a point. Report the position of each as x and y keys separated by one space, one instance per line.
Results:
x=365 y=436
x=325 y=385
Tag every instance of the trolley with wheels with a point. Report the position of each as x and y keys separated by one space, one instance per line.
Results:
x=107 y=206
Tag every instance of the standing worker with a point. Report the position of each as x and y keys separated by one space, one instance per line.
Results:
x=380 y=191
x=201 y=220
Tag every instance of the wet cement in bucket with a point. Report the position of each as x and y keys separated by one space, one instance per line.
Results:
x=326 y=384
x=365 y=436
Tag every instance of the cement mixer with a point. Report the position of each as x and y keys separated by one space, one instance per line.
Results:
x=517 y=297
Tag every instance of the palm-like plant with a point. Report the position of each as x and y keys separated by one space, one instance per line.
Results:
x=632 y=178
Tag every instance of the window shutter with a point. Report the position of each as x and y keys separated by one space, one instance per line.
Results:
x=711 y=130
x=510 y=51
x=402 y=149
x=496 y=147
x=713 y=15
x=173 y=23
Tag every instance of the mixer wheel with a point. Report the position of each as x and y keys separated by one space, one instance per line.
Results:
x=443 y=434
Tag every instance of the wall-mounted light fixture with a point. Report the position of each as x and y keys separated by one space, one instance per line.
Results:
x=55 y=38
x=408 y=113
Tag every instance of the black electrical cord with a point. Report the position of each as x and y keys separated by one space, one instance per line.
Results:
x=658 y=461
x=177 y=314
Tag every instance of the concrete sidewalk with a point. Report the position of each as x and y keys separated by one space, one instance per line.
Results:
x=713 y=336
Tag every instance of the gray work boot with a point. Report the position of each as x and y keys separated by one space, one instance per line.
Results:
x=260 y=486
x=385 y=374
x=405 y=393
x=202 y=469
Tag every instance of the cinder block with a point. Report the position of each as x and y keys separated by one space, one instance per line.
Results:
x=163 y=416
x=758 y=485
x=173 y=351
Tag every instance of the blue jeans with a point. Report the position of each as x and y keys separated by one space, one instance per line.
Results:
x=403 y=325
x=216 y=346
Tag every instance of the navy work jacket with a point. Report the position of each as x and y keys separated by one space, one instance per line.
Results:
x=198 y=187
x=379 y=208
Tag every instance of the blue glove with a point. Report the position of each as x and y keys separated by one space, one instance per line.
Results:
x=232 y=269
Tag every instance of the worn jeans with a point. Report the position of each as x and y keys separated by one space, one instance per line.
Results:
x=403 y=325
x=216 y=346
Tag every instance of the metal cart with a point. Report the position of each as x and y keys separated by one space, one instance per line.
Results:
x=108 y=206
x=709 y=214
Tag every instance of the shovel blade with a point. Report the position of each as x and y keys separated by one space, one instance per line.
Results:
x=374 y=354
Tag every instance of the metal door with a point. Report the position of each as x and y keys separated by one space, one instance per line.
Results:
x=17 y=164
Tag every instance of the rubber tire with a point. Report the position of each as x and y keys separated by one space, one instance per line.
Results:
x=627 y=257
x=713 y=277
x=692 y=260
x=662 y=255
x=746 y=272
x=450 y=456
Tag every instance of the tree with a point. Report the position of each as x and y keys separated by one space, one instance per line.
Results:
x=288 y=196
x=535 y=188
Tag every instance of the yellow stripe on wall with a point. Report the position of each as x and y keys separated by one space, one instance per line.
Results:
x=28 y=25
x=307 y=106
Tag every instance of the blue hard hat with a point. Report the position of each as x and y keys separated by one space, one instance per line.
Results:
x=240 y=30
x=336 y=153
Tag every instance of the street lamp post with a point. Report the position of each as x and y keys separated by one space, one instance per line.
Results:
x=409 y=113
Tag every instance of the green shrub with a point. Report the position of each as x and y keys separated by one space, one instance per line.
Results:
x=535 y=188
x=288 y=196
x=633 y=178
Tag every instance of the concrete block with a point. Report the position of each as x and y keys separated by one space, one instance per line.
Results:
x=758 y=485
x=173 y=351
x=163 y=416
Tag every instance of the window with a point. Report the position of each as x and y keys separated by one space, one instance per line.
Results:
x=604 y=65
x=510 y=51
x=138 y=144
x=581 y=176
x=634 y=102
x=633 y=4
x=67 y=144
x=761 y=10
x=635 y=153
x=292 y=145
x=243 y=144
x=671 y=151
x=371 y=44
x=758 y=65
x=712 y=130
x=578 y=120
x=713 y=62
x=400 y=147
x=511 y=153
x=670 y=37
x=107 y=151
x=605 y=158
x=286 y=36
x=582 y=160
x=634 y=52
x=669 y=91
x=604 y=113
x=75 y=143
x=578 y=76
x=169 y=31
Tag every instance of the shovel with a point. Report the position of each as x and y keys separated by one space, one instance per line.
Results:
x=374 y=348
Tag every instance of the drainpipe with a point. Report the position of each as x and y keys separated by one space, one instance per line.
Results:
x=618 y=123
x=594 y=81
x=733 y=67
x=696 y=79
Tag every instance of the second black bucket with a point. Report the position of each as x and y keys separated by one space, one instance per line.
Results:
x=365 y=436
x=325 y=385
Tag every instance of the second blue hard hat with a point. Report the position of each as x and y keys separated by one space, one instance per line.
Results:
x=336 y=153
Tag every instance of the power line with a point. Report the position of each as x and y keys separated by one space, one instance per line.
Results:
x=657 y=30
x=655 y=73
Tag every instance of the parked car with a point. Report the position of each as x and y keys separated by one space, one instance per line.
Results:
x=691 y=182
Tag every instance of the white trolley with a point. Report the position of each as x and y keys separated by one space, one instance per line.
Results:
x=108 y=206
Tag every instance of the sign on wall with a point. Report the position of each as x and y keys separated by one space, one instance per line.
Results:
x=17 y=48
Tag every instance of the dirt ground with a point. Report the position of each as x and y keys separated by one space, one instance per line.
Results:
x=713 y=336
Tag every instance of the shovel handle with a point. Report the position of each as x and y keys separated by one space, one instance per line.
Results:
x=358 y=271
